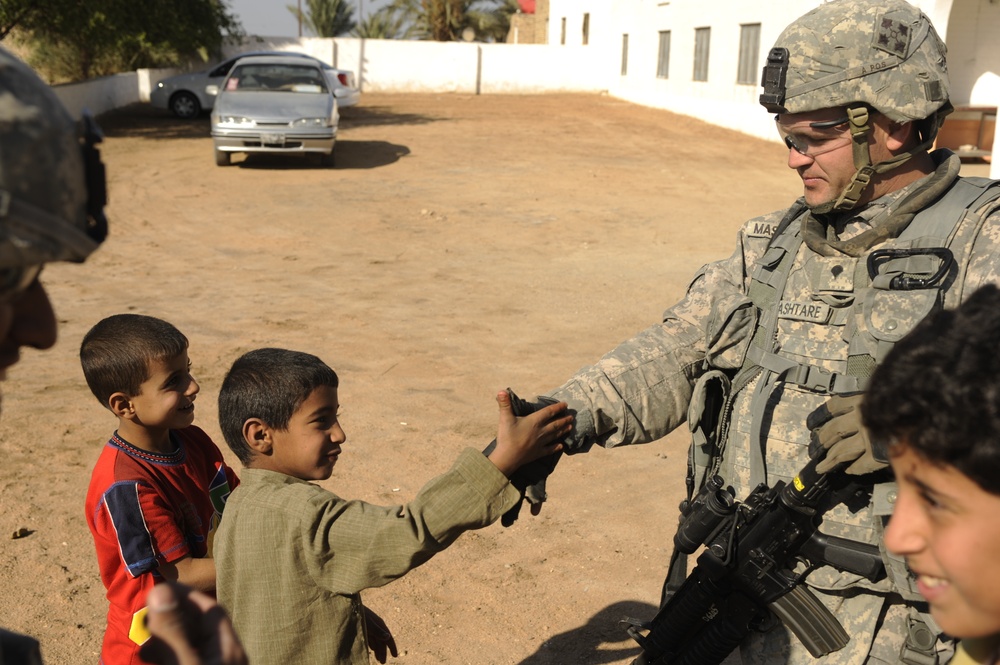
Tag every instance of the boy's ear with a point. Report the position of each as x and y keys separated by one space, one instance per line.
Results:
x=257 y=434
x=121 y=405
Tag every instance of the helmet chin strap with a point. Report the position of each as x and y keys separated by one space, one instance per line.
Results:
x=858 y=117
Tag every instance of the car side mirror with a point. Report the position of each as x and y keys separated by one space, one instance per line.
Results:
x=212 y=90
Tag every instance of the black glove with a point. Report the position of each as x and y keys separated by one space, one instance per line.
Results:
x=530 y=478
x=838 y=435
x=380 y=639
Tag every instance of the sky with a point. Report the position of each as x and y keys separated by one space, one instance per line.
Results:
x=271 y=18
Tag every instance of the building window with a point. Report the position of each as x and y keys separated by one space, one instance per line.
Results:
x=562 y=32
x=749 y=48
x=702 y=37
x=586 y=29
x=663 y=58
x=624 y=54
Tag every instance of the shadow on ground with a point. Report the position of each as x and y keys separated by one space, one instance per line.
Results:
x=144 y=121
x=349 y=155
x=367 y=116
x=601 y=640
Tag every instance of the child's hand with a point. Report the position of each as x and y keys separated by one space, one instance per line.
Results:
x=379 y=638
x=189 y=628
x=522 y=440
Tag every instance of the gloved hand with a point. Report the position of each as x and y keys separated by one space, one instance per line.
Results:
x=530 y=478
x=837 y=432
x=380 y=639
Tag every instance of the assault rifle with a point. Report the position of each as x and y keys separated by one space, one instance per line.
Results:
x=744 y=578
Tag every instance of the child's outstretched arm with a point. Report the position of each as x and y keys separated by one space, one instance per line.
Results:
x=522 y=440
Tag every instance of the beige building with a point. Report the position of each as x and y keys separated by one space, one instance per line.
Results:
x=530 y=28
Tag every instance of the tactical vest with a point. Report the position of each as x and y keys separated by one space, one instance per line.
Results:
x=823 y=324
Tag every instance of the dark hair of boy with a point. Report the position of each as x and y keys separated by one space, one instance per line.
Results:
x=938 y=390
x=269 y=384
x=117 y=352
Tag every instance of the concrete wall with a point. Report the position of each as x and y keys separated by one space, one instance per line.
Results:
x=391 y=66
x=109 y=92
x=974 y=52
x=471 y=68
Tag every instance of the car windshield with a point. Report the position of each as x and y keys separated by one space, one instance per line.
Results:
x=276 y=78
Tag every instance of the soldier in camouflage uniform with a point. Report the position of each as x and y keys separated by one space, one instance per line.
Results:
x=52 y=197
x=813 y=297
x=45 y=215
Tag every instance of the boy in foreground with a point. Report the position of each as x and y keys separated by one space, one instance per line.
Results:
x=934 y=406
x=293 y=557
x=159 y=487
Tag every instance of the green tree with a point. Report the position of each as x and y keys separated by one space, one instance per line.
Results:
x=389 y=22
x=79 y=39
x=326 y=18
x=452 y=20
x=491 y=21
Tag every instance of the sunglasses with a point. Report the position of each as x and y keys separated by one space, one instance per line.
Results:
x=821 y=137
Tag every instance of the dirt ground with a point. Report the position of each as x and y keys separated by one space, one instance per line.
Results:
x=462 y=244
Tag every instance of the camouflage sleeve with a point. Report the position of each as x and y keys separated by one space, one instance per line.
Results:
x=984 y=262
x=640 y=391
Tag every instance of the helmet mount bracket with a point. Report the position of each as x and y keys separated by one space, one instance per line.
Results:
x=773 y=80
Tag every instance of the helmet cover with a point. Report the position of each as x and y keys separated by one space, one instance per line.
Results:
x=884 y=54
x=51 y=178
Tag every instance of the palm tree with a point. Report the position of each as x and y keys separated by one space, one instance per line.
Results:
x=451 y=20
x=326 y=18
x=492 y=23
x=389 y=22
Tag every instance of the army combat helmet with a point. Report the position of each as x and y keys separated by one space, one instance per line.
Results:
x=861 y=55
x=52 y=183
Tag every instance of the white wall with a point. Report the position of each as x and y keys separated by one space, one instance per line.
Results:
x=109 y=92
x=973 y=38
x=422 y=66
x=390 y=66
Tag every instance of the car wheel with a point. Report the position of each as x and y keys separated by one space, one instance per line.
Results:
x=185 y=105
x=223 y=158
x=327 y=159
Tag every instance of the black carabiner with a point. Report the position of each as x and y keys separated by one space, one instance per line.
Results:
x=903 y=283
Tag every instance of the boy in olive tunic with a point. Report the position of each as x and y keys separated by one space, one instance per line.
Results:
x=292 y=558
x=933 y=410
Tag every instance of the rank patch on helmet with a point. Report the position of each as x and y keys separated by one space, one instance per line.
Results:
x=892 y=36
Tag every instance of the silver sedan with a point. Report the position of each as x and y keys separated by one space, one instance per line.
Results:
x=274 y=104
x=185 y=94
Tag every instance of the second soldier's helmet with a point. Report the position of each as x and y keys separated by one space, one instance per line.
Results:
x=52 y=182
x=881 y=53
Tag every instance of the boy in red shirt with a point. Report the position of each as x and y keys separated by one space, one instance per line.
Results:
x=159 y=487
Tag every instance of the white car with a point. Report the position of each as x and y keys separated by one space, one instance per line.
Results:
x=185 y=94
x=275 y=104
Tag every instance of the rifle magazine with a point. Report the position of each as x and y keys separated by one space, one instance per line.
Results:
x=803 y=613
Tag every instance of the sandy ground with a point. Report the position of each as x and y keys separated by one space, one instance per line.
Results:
x=462 y=244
